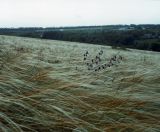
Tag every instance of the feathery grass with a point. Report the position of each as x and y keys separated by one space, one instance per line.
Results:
x=45 y=86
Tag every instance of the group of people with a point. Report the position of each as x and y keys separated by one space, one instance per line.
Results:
x=96 y=65
x=113 y=61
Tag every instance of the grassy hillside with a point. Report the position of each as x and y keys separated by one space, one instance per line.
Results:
x=45 y=86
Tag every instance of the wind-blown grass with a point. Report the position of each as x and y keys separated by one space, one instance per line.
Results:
x=46 y=87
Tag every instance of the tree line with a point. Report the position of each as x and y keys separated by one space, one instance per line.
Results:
x=137 y=39
x=144 y=37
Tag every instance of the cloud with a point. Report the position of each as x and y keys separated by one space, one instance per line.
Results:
x=44 y=13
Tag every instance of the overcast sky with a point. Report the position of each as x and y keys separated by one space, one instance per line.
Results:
x=36 y=13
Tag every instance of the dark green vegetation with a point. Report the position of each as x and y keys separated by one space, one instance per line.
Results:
x=144 y=37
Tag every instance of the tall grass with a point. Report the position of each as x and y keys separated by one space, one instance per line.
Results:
x=38 y=95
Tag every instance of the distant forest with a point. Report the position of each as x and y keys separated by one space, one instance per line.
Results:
x=144 y=37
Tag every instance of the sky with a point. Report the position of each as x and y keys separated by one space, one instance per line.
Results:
x=55 y=13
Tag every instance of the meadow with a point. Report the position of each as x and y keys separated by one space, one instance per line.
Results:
x=46 y=86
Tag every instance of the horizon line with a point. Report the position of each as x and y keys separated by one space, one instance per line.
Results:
x=79 y=26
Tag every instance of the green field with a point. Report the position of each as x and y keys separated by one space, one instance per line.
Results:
x=45 y=86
